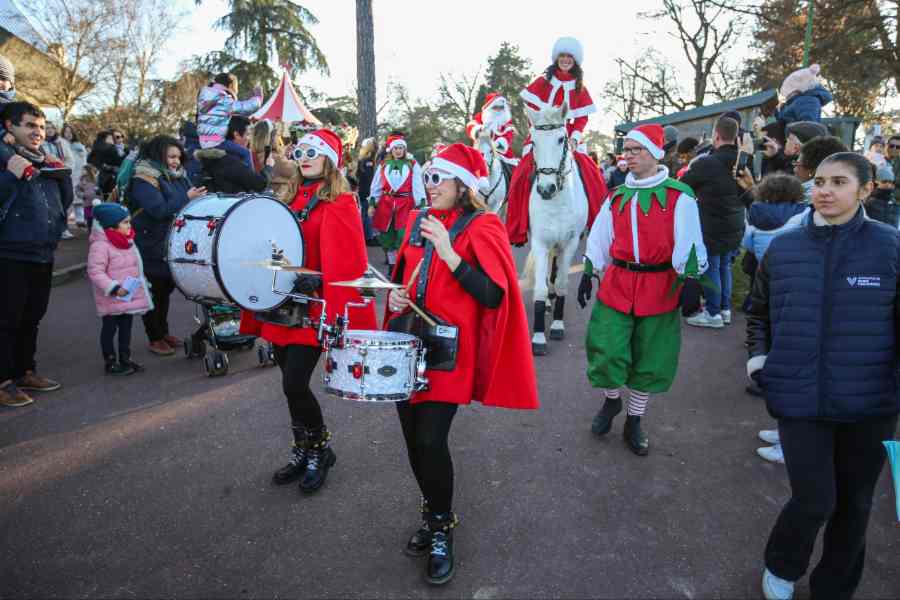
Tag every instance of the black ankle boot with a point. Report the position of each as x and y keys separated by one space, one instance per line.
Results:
x=296 y=466
x=125 y=360
x=319 y=459
x=420 y=541
x=635 y=437
x=439 y=568
x=114 y=367
x=603 y=421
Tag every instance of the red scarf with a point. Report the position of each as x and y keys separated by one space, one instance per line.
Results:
x=563 y=75
x=119 y=239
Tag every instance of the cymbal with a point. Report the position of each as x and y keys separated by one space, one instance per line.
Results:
x=280 y=266
x=368 y=283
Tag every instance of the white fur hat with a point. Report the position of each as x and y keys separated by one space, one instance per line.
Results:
x=568 y=45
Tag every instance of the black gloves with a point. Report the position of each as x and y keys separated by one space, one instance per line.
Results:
x=307 y=284
x=689 y=300
x=584 y=290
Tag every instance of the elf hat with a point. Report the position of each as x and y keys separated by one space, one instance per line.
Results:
x=110 y=214
x=650 y=137
x=395 y=140
x=465 y=163
x=328 y=143
x=491 y=99
x=568 y=45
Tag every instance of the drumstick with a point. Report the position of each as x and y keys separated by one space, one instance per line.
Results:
x=413 y=275
x=431 y=322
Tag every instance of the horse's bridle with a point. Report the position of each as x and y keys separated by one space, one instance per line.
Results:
x=490 y=169
x=559 y=171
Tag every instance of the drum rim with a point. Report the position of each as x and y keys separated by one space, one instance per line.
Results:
x=413 y=341
x=372 y=398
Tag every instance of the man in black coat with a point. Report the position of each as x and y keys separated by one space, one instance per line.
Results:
x=35 y=195
x=225 y=171
x=712 y=177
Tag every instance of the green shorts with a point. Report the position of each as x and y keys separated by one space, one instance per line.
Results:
x=638 y=352
x=391 y=239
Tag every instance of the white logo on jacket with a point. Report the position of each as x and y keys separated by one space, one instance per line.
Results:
x=865 y=281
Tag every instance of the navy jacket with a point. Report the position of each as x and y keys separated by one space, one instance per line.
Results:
x=154 y=210
x=722 y=210
x=806 y=106
x=824 y=311
x=33 y=213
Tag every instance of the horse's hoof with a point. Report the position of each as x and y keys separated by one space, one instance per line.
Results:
x=557 y=334
x=539 y=349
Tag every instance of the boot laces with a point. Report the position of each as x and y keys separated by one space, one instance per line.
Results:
x=439 y=544
x=312 y=462
x=297 y=456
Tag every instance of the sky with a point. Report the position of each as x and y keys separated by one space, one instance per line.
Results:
x=416 y=41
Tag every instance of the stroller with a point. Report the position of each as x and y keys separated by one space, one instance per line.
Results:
x=218 y=327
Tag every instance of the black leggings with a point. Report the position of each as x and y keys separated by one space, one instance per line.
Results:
x=426 y=427
x=297 y=364
x=111 y=324
x=156 y=322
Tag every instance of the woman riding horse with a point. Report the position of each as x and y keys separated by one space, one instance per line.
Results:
x=561 y=84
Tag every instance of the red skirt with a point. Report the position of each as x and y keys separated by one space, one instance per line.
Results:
x=392 y=211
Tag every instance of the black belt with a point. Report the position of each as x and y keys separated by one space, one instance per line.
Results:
x=641 y=267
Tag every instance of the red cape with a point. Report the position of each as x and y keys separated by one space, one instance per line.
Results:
x=494 y=360
x=520 y=192
x=335 y=245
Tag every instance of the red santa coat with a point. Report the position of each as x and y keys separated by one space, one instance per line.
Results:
x=502 y=136
x=494 y=364
x=540 y=94
x=335 y=245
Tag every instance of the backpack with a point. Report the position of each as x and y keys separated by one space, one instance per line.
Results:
x=123 y=179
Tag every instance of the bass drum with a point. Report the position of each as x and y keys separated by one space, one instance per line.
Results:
x=218 y=244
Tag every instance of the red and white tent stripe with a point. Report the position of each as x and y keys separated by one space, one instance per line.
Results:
x=285 y=106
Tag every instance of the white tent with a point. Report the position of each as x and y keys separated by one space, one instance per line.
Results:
x=285 y=106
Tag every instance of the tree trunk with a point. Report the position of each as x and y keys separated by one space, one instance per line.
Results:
x=365 y=69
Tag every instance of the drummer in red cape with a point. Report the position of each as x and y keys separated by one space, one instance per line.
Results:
x=334 y=245
x=459 y=264
x=561 y=84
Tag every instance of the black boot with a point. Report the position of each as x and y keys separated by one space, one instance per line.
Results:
x=114 y=367
x=319 y=459
x=125 y=360
x=296 y=466
x=439 y=568
x=635 y=437
x=603 y=421
x=420 y=541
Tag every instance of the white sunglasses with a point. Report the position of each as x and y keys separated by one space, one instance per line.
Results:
x=434 y=177
x=308 y=153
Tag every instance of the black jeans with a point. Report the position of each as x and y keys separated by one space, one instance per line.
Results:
x=833 y=468
x=111 y=325
x=297 y=364
x=156 y=322
x=23 y=303
x=426 y=429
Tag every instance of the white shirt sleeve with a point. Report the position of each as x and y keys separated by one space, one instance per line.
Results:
x=600 y=240
x=375 y=190
x=688 y=235
x=418 y=185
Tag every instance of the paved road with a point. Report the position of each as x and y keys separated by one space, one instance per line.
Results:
x=158 y=485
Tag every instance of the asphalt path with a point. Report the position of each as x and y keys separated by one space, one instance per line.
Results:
x=159 y=485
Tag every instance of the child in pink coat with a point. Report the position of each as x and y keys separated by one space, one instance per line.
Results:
x=120 y=289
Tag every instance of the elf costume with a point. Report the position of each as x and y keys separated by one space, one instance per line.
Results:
x=397 y=188
x=556 y=88
x=644 y=244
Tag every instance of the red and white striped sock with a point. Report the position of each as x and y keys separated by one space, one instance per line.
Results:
x=611 y=394
x=637 y=403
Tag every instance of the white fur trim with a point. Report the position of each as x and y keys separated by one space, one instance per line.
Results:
x=469 y=179
x=497 y=100
x=396 y=143
x=644 y=141
x=531 y=99
x=568 y=45
x=321 y=145
x=755 y=364
x=582 y=111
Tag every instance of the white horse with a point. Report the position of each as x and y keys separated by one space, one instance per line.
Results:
x=557 y=215
x=495 y=193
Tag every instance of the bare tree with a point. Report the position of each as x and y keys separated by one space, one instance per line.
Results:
x=78 y=33
x=458 y=95
x=157 y=24
x=365 y=69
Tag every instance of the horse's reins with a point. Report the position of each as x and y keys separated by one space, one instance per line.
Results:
x=490 y=168
x=559 y=172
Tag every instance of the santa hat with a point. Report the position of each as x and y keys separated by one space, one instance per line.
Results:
x=437 y=149
x=395 y=140
x=491 y=99
x=465 y=163
x=328 y=143
x=801 y=80
x=651 y=137
x=568 y=45
x=621 y=162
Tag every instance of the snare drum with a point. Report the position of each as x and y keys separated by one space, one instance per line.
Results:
x=218 y=243
x=374 y=366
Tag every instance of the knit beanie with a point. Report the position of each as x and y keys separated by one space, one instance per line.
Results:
x=110 y=214
x=7 y=70
x=801 y=80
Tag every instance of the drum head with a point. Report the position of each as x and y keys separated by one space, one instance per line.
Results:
x=245 y=239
